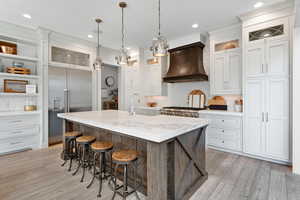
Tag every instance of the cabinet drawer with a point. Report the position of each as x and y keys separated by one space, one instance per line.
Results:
x=19 y=132
x=226 y=123
x=13 y=122
x=224 y=138
x=17 y=143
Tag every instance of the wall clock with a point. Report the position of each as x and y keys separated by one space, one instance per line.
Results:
x=110 y=81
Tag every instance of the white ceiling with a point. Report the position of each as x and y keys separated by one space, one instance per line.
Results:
x=76 y=17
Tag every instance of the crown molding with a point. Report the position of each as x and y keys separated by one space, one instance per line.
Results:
x=269 y=13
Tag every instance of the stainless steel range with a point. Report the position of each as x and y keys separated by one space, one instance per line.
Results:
x=181 y=111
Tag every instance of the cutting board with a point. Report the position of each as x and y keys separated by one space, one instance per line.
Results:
x=217 y=100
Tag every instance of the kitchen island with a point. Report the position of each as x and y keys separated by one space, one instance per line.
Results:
x=171 y=149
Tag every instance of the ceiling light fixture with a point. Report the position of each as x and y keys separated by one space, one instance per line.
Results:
x=123 y=58
x=259 y=4
x=90 y=36
x=159 y=44
x=98 y=62
x=195 y=26
x=27 y=16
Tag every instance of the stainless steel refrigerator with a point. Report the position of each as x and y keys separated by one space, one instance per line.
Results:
x=69 y=91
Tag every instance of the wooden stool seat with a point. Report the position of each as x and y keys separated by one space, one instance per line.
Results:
x=102 y=145
x=72 y=134
x=85 y=139
x=125 y=155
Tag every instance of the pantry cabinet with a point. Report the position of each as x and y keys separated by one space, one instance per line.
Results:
x=266 y=91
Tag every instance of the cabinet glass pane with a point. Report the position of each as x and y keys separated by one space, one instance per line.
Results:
x=227 y=45
x=69 y=57
x=266 y=33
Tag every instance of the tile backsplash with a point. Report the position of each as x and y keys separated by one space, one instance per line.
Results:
x=12 y=104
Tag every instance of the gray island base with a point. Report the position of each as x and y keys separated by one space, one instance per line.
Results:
x=171 y=149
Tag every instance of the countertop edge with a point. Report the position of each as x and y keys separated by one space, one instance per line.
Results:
x=119 y=130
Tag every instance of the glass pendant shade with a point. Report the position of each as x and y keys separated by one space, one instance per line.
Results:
x=159 y=46
x=97 y=63
x=123 y=58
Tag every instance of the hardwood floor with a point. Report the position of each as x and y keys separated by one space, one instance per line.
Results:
x=37 y=175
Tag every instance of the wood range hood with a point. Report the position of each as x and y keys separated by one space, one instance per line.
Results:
x=186 y=64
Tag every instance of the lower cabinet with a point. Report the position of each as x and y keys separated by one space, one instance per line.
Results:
x=224 y=132
x=18 y=133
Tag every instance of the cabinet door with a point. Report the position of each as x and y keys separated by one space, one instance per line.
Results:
x=277 y=119
x=232 y=72
x=254 y=118
x=219 y=66
x=277 y=57
x=254 y=59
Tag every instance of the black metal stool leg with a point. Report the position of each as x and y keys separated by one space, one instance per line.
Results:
x=83 y=162
x=94 y=172
x=100 y=173
x=65 y=151
x=79 y=160
x=71 y=154
x=114 y=179
x=125 y=182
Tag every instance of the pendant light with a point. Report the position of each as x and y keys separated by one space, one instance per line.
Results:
x=98 y=61
x=160 y=44
x=123 y=58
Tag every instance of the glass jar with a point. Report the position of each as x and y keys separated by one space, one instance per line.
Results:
x=30 y=104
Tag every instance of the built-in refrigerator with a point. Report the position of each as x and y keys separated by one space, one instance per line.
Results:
x=70 y=90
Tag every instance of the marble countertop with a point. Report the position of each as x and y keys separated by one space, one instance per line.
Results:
x=158 y=128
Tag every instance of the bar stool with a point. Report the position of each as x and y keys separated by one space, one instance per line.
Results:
x=100 y=148
x=124 y=158
x=84 y=143
x=70 y=150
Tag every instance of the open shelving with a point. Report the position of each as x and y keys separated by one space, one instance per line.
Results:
x=17 y=94
x=17 y=57
x=17 y=113
x=3 y=74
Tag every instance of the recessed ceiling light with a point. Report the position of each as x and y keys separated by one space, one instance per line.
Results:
x=195 y=25
x=90 y=36
x=259 y=4
x=27 y=16
x=128 y=48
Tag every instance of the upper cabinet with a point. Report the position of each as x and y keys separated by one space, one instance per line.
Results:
x=152 y=72
x=267 y=50
x=226 y=61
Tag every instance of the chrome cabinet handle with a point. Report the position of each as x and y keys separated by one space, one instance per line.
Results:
x=267 y=116
x=12 y=143
x=263 y=117
x=267 y=67
x=16 y=132
x=262 y=68
x=16 y=121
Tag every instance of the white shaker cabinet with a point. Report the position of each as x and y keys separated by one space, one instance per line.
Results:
x=266 y=91
x=226 y=61
x=254 y=117
x=266 y=118
x=277 y=118
x=227 y=72
x=255 y=54
x=277 y=57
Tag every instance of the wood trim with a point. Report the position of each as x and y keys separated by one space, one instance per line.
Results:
x=196 y=44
